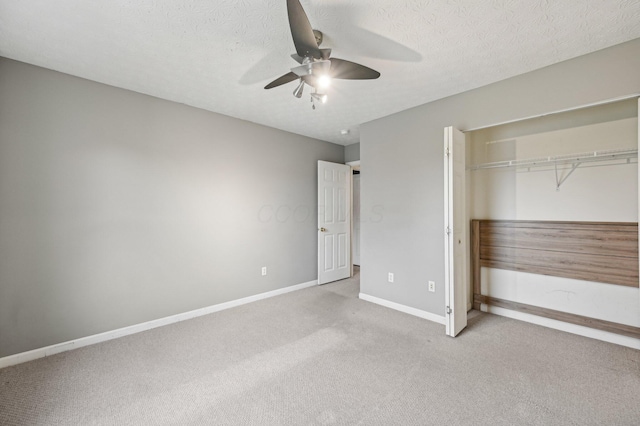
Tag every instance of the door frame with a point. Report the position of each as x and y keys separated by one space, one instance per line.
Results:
x=353 y=165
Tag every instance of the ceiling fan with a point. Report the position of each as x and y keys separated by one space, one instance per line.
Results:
x=316 y=68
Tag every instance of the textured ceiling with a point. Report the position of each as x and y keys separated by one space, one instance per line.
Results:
x=219 y=54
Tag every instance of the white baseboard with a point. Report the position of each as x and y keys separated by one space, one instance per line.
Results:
x=565 y=326
x=137 y=328
x=403 y=308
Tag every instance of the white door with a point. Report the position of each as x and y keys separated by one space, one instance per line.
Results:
x=334 y=222
x=455 y=232
x=356 y=219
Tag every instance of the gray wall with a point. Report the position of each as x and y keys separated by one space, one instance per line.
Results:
x=118 y=208
x=402 y=191
x=352 y=152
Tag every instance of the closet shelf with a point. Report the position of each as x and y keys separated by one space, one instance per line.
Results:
x=572 y=159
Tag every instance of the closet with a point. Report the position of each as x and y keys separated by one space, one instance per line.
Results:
x=577 y=167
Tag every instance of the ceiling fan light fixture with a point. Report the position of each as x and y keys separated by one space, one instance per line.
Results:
x=298 y=92
x=324 y=81
x=322 y=98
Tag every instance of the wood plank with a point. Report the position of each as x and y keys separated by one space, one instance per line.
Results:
x=560 y=260
x=594 y=226
x=475 y=259
x=611 y=327
x=569 y=265
x=617 y=244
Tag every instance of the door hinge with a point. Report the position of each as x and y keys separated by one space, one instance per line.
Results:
x=449 y=311
x=448 y=230
x=446 y=152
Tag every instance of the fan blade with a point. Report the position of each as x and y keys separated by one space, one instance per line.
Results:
x=299 y=59
x=348 y=70
x=288 y=77
x=301 y=31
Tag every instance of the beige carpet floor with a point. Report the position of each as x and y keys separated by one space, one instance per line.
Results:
x=321 y=356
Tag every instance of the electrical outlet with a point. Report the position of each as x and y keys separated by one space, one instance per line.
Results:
x=264 y=270
x=432 y=286
x=390 y=277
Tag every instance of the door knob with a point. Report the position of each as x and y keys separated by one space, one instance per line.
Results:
x=322 y=229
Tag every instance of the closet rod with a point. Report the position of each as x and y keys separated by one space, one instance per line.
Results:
x=586 y=157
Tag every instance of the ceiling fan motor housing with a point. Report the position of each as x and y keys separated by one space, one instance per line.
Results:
x=319 y=36
x=317 y=68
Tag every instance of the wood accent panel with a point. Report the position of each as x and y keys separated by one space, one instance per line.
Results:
x=611 y=327
x=587 y=241
x=591 y=251
x=600 y=252
x=620 y=271
x=475 y=260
